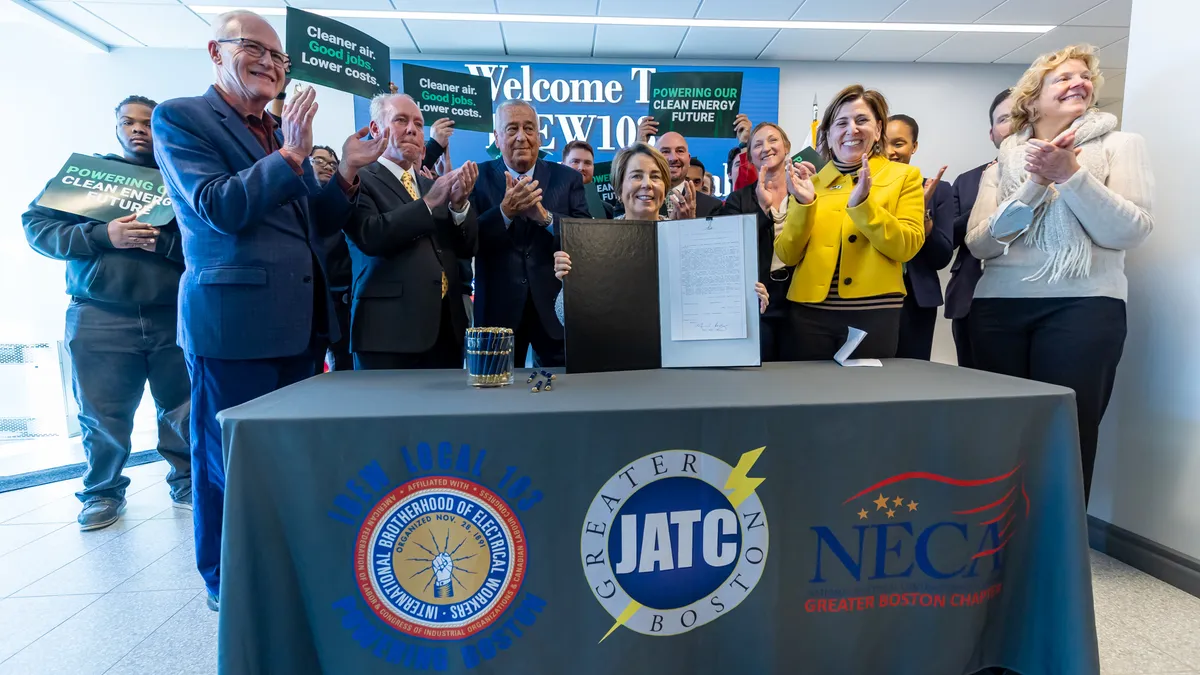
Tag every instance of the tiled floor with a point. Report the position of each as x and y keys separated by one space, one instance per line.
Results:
x=126 y=600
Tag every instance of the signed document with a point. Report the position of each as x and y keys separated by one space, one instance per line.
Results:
x=707 y=280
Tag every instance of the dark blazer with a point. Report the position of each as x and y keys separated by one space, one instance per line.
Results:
x=516 y=261
x=966 y=271
x=400 y=251
x=98 y=271
x=746 y=201
x=253 y=231
x=936 y=252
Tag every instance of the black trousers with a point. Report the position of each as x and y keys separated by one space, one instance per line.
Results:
x=774 y=323
x=960 y=328
x=916 y=330
x=338 y=356
x=1071 y=342
x=817 y=334
x=547 y=351
x=446 y=352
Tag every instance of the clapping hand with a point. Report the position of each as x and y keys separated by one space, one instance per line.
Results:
x=297 y=125
x=764 y=298
x=426 y=172
x=683 y=206
x=741 y=128
x=358 y=151
x=799 y=182
x=462 y=185
x=562 y=264
x=647 y=129
x=1053 y=162
x=931 y=186
x=520 y=197
x=439 y=192
x=863 y=187
x=769 y=197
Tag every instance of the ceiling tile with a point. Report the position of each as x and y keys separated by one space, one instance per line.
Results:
x=1115 y=55
x=390 y=32
x=859 y=10
x=893 y=46
x=343 y=4
x=638 y=41
x=1114 y=83
x=457 y=37
x=1111 y=13
x=1061 y=37
x=540 y=39
x=1039 y=12
x=942 y=11
x=976 y=47
x=725 y=43
x=129 y=2
x=561 y=7
x=89 y=23
x=170 y=26
x=811 y=45
x=758 y=10
x=651 y=8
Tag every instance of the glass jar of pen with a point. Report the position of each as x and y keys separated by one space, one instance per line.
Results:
x=489 y=357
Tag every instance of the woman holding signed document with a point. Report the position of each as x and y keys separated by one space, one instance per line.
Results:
x=849 y=229
x=641 y=175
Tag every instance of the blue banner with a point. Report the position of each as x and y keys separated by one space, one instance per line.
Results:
x=599 y=103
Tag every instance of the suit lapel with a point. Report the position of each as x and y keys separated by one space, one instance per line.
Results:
x=385 y=176
x=541 y=173
x=235 y=124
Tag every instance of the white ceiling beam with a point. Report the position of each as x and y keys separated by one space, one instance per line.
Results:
x=63 y=25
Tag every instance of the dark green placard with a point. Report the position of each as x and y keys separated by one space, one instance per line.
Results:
x=808 y=154
x=602 y=178
x=464 y=98
x=330 y=53
x=697 y=105
x=105 y=189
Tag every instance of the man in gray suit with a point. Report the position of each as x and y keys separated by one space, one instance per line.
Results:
x=406 y=235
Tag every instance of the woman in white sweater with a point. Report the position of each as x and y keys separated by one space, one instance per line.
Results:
x=1067 y=197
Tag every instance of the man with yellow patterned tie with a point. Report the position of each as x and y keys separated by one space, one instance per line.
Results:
x=406 y=235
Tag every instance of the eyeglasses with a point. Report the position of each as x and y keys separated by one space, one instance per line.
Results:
x=256 y=50
x=322 y=162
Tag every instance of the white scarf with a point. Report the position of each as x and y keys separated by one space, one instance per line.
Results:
x=1055 y=230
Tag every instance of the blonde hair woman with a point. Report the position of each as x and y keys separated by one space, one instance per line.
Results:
x=641 y=176
x=1068 y=196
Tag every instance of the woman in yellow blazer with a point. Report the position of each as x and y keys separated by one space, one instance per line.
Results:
x=848 y=229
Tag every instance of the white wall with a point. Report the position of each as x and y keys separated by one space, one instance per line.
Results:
x=62 y=103
x=1149 y=462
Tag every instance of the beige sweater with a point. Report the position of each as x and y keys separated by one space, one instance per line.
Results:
x=1116 y=215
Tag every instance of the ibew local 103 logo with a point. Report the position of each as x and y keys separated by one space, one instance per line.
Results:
x=918 y=539
x=440 y=559
x=675 y=540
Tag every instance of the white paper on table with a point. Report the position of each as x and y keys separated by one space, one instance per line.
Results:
x=842 y=356
x=707 y=281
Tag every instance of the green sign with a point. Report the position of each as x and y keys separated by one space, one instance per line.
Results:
x=464 y=98
x=808 y=154
x=602 y=179
x=330 y=53
x=697 y=105
x=105 y=189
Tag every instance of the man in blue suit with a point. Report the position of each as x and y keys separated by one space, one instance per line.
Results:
x=254 y=304
x=921 y=283
x=521 y=201
x=966 y=270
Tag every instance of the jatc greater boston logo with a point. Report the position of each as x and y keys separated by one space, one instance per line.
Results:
x=675 y=540
x=918 y=539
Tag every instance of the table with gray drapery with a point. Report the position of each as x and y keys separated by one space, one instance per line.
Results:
x=794 y=518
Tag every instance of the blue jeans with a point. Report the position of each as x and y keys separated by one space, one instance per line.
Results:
x=115 y=349
x=218 y=384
